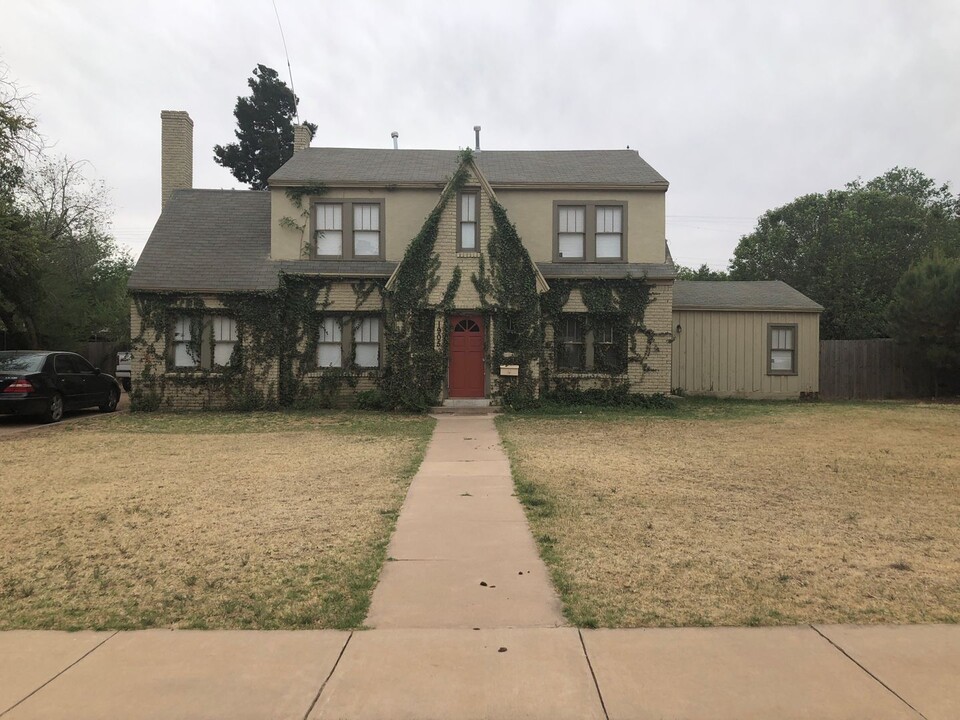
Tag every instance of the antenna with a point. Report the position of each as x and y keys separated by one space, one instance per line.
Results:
x=296 y=105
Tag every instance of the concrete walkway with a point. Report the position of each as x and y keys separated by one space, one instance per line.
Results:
x=462 y=555
x=447 y=646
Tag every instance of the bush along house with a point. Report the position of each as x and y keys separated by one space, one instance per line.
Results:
x=404 y=279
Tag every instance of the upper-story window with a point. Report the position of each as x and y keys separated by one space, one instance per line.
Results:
x=348 y=230
x=589 y=232
x=467 y=227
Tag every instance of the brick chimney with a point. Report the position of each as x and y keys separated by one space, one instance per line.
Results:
x=176 y=153
x=301 y=137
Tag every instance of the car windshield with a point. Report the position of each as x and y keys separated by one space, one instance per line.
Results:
x=18 y=363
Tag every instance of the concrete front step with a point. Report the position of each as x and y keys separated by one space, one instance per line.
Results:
x=481 y=410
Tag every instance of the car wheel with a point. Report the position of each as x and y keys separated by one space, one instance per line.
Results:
x=111 y=404
x=54 y=411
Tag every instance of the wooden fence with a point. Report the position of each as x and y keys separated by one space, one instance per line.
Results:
x=876 y=369
x=101 y=354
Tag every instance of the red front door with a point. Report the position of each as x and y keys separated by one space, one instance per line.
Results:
x=466 y=356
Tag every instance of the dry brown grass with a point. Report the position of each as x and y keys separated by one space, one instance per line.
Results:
x=225 y=521
x=787 y=514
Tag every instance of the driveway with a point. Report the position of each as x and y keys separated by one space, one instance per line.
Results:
x=13 y=424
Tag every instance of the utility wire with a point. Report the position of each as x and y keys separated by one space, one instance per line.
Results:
x=296 y=105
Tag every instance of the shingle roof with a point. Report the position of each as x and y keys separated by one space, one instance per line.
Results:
x=217 y=240
x=501 y=167
x=740 y=295
x=658 y=271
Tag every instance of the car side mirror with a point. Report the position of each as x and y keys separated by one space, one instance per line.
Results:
x=96 y=371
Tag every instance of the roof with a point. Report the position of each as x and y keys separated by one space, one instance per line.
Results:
x=209 y=240
x=502 y=168
x=740 y=295
x=652 y=271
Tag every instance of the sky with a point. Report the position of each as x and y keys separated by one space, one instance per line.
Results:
x=742 y=106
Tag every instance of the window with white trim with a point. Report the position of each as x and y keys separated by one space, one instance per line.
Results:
x=606 y=354
x=330 y=343
x=224 y=339
x=182 y=342
x=782 y=354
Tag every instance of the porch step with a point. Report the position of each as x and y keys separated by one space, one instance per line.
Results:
x=465 y=406
x=445 y=410
x=466 y=402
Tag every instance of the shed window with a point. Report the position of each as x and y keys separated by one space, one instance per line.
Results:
x=782 y=344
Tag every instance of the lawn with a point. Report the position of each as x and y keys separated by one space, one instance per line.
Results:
x=203 y=520
x=735 y=513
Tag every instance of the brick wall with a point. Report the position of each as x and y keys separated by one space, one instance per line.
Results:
x=176 y=153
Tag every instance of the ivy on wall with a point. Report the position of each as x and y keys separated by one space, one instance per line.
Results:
x=414 y=329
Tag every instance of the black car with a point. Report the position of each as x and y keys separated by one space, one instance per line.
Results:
x=44 y=383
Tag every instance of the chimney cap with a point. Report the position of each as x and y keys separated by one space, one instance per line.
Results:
x=476 y=128
x=394 y=134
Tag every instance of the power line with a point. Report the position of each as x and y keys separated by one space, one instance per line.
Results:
x=296 y=108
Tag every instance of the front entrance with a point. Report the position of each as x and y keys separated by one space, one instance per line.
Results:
x=466 y=356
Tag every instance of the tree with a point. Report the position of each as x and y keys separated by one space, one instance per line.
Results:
x=264 y=130
x=63 y=279
x=925 y=314
x=701 y=273
x=847 y=248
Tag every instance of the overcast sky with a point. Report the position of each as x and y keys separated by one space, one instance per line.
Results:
x=742 y=106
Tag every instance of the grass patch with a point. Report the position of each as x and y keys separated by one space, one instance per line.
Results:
x=202 y=520
x=745 y=513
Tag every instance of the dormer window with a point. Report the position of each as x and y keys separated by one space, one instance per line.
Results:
x=348 y=230
x=589 y=232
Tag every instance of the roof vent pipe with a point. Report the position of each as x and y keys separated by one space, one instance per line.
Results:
x=476 y=130
x=395 y=135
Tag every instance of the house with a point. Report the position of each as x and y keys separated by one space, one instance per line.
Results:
x=405 y=278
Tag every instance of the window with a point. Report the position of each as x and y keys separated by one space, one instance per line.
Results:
x=571 y=233
x=183 y=353
x=782 y=350
x=590 y=232
x=348 y=230
x=598 y=349
x=467 y=228
x=606 y=354
x=330 y=343
x=609 y=232
x=570 y=350
x=367 y=343
x=224 y=339
x=366 y=230
x=334 y=346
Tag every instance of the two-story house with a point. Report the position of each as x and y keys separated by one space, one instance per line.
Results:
x=404 y=278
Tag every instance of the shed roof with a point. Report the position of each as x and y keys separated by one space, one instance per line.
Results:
x=740 y=295
x=333 y=166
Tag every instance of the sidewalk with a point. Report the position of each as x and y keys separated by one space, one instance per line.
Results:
x=443 y=645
